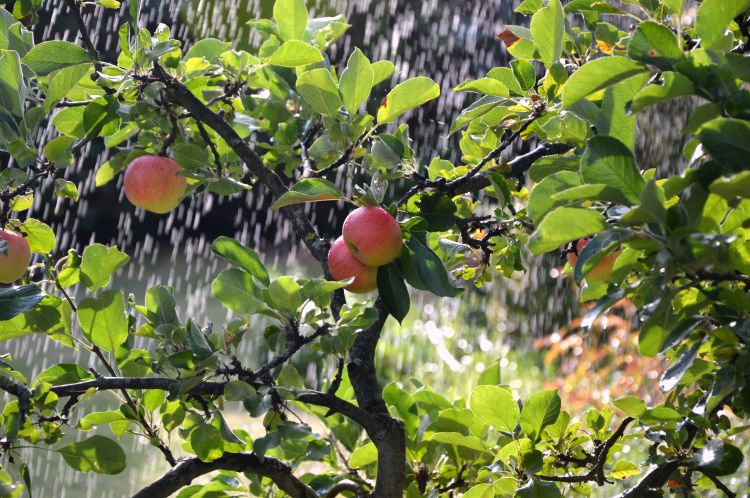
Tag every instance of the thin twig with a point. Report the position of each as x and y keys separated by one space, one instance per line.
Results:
x=724 y=489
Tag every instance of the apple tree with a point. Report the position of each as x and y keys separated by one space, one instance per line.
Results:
x=210 y=120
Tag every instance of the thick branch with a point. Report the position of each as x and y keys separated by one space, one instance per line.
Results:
x=187 y=470
x=21 y=392
x=389 y=438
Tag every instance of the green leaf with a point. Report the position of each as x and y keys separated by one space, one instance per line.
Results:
x=475 y=111
x=96 y=454
x=295 y=53
x=614 y=119
x=66 y=189
x=547 y=29
x=57 y=151
x=505 y=76
x=319 y=89
x=363 y=456
x=393 y=292
x=733 y=186
x=63 y=373
x=659 y=415
x=631 y=405
x=51 y=316
x=430 y=269
x=622 y=469
x=63 y=82
x=546 y=166
x=309 y=190
x=49 y=56
x=190 y=156
x=728 y=141
x=541 y=410
x=655 y=44
x=495 y=406
x=39 y=235
x=541 y=201
x=98 y=263
x=564 y=225
x=197 y=341
x=100 y=116
x=566 y=127
x=528 y=7
x=226 y=432
x=237 y=390
x=160 y=306
x=356 y=81
x=291 y=16
x=207 y=48
x=588 y=191
x=242 y=256
x=672 y=375
x=538 y=489
x=609 y=161
x=653 y=203
x=438 y=209
x=103 y=320
x=11 y=83
x=69 y=121
x=525 y=73
x=17 y=300
x=406 y=96
x=487 y=86
x=714 y=16
x=237 y=291
x=458 y=439
x=598 y=75
x=207 y=443
x=381 y=71
x=285 y=294
x=672 y=85
x=94 y=419
x=483 y=490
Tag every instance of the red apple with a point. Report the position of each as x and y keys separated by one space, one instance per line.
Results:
x=15 y=262
x=343 y=265
x=602 y=270
x=373 y=235
x=151 y=183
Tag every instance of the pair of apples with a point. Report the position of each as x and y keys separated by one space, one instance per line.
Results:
x=370 y=238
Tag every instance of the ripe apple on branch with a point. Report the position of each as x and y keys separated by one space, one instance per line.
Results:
x=371 y=238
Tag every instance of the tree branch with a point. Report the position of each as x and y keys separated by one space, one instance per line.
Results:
x=21 y=392
x=309 y=396
x=718 y=483
x=75 y=9
x=345 y=485
x=474 y=183
x=187 y=470
x=178 y=93
x=389 y=438
x=601 y=453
